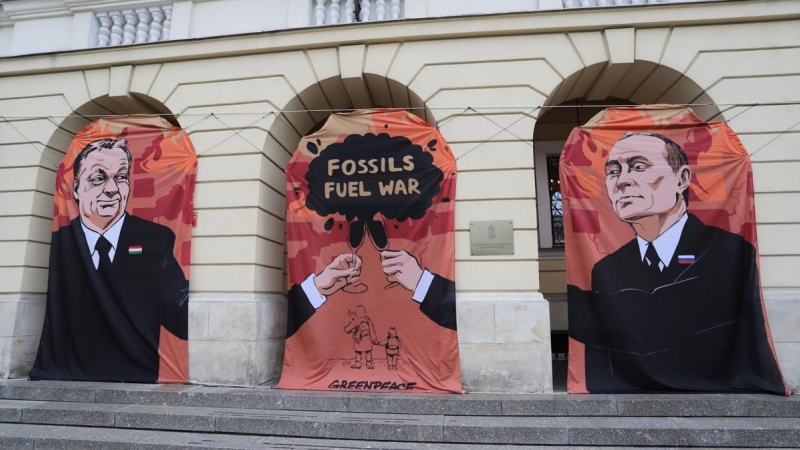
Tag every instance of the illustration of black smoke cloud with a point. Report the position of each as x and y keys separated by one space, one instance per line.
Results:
x=369 y=174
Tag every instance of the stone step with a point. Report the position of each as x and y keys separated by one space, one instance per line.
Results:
x=16 y=436
x=545 y=405
x=422 y=428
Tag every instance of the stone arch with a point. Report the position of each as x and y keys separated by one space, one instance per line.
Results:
x=108 y=105
x=572 y=103
x=66 y=129
x=639 y=82
x=586 y=92
x=36 y=209
x=308 y=111
x=94 y=109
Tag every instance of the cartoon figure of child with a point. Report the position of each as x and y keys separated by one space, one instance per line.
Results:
x=362 y=331
x=392 y=348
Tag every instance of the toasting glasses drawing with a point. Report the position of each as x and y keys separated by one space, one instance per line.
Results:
x=357 y=235
x=368 y=179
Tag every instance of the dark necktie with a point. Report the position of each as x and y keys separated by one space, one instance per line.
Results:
x=103 y=247
x=652 y=256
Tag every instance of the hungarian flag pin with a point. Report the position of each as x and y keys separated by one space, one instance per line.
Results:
x=135 y=250
x=685 y=259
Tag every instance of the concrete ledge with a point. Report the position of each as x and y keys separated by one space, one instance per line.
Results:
x=71 y=414
x=236 y=339
x=504 y=342
x=19 y=436
x=506 y=430
x=711 y=405
x=415 y=428
x=35 y=393
x=588 y=431
x=11 y=411
x=22 y=314
x=783 y=313
x=21 y=319
x=782 y=294
x=685 y=432
x=558 y=405
x=559 y=314
x=165 y=418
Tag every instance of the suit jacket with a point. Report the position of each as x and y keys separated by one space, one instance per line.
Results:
x=695 y=326
x=439 y=305
x=106 y=326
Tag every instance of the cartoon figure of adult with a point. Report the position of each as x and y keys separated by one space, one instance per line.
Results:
x=678 y=307
x=105 y=308
x=363 y=333
x=435 y=294
x=305 y=298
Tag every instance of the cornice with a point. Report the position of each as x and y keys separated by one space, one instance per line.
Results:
x=5 y=21
x=44 y=9
x=35 y=9
x=106 y=5
x=410 y=30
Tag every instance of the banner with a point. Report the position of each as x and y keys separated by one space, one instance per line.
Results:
x=662 y=268
x=117 y=292
x=370 y=240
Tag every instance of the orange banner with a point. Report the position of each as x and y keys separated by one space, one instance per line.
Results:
x=370 y=241
x=117 y=298
x=662 y=268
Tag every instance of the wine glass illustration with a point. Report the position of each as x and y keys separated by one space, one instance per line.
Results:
x=357 y=234
x=377 y=231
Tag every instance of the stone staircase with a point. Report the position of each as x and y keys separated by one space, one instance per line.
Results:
x=73 y=415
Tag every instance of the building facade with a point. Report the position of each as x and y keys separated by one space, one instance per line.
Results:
x=247 y=79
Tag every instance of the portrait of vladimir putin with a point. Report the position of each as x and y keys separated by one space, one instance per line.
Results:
x=678 y=307
x=113 y=282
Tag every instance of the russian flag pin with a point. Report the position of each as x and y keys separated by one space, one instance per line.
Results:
x=135 y=250
x=685 y=259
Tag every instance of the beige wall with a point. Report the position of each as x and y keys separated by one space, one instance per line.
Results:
x=253 y=85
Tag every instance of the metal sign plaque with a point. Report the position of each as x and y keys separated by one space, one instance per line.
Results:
x=493 y=237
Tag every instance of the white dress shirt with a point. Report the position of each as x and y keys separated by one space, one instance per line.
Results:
x=665 y=244
x=111 y=235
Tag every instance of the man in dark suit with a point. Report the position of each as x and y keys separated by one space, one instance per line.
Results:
x=113 y=283
x=679 y=306
x=435 y=294
x=313 y=292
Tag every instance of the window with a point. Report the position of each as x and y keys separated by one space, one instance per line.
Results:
x=556 y=209
x=548 y=191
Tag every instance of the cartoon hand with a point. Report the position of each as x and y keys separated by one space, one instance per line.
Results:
x=343 y=270
x=401 y=267
x=376 y=342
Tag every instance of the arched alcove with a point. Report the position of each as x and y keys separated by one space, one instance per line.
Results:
x=307 y=113
x=309 y=109
x=640 y=83
x=111 y=106
x=99 y=107
x=577 y=99
x=35 y=212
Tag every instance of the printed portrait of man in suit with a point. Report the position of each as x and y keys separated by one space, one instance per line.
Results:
x=679 y=306
x=113 y=283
